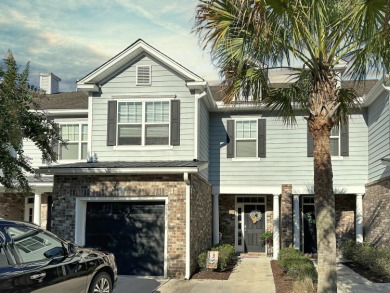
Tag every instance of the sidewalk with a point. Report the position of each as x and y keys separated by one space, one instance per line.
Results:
x=350 y=282
x=251 y=275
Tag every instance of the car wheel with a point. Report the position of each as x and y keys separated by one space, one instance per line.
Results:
x=101 y=283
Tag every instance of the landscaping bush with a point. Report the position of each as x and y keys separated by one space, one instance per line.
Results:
x=226 y=256
x=289 y=253
x=297 y=265
x=375 y=259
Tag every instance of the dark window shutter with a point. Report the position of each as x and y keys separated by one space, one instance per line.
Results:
x=175 y=122
x=55 y=145
x=310 y=143
x=344 y=137
x=261 y=138
x=230 y=139
x=111 y=123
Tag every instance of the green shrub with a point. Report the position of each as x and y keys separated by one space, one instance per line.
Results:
x=289 y=253
x=226 y=256
x=297 y=265
x=300 y=268
x=368 y=256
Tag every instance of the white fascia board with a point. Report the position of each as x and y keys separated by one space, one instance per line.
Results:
x=296 y=189
x=131 y=53
x=374 y=93
x=100 y=171
x=88 y=87
x=62 y=111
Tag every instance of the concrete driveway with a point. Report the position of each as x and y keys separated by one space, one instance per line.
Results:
x=136 y=284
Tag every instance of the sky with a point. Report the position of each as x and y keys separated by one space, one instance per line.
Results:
x=71 y=38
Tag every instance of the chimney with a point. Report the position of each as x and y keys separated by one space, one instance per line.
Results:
x=49 y=82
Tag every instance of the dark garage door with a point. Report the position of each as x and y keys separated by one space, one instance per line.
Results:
x=134 y=232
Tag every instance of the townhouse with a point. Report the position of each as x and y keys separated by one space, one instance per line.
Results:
x=157 y=168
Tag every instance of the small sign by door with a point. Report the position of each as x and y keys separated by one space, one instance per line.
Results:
x=212 y=259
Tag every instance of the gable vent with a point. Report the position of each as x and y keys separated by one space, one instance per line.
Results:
x=144 y=75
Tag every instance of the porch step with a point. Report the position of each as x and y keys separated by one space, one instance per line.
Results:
x=252 y=254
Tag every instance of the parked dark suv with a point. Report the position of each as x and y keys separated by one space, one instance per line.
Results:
x=34 y=260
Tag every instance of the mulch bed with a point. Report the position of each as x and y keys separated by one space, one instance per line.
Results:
x=215 y=275
x=367 y=273
x=283 y=283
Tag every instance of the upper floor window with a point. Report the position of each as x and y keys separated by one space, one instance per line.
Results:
x=76 y=137
x=339 y=141
x=246 y=138
x=335 y=141
x=143 y=123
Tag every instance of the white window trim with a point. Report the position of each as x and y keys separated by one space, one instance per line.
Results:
x=236 y=158
x=80 y=142
x=339 y=157
x=27 y=207
x=143 y=123
x=150 y=75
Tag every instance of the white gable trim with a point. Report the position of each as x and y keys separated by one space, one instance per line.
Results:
x=125 y=57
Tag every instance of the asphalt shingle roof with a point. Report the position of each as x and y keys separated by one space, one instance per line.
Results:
x=361 y=88
x=121 y=164
x=66 y=100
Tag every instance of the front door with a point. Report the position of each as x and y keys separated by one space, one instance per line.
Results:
x=254 y=225
x=309 y=229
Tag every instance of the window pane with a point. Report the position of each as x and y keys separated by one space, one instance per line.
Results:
x=129 y=134
x=334 y=146
x=157 y=134
x=130 y=112
x=84 y=151
x=84 y=132
x=246 y=129
x=334 y=131
x=246 y=148
x=34 y=245
x=157 y=111
x=70 y=132
x=70 y=152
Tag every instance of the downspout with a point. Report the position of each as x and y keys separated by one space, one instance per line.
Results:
x=196 y=123
x=188 y=222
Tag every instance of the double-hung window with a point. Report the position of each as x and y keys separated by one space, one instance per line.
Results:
x=143 y=123
x=76 y=137
x=246 y=138
x=335 y=141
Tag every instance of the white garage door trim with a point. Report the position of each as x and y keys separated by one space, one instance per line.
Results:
x=81 y=214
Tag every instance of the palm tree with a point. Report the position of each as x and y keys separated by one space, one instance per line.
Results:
x=247 y=38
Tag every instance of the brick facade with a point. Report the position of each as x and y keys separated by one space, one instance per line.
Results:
x=67 y=188
x=345 y=205
x=12 y=206
x=286 y=216
x=376 y=210
x=226 y=220
x=201 y=218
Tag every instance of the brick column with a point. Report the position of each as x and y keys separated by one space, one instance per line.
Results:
x=286 y=216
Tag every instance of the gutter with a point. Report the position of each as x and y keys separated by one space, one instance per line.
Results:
x=196 y=126
x=99 y=171
x=188 y=222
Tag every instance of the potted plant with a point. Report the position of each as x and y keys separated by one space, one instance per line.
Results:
x=267 y=239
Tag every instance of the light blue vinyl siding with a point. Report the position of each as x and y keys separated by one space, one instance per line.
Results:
x=378 y=137
x=286 y=160
x=203 y=143
x=164 y=83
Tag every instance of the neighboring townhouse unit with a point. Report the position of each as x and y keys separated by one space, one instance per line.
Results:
x=157 y=168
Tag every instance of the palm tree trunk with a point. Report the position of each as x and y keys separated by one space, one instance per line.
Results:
x=324 y=207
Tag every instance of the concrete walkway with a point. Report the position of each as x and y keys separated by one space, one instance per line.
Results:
x=251 y=275
x=350 y=282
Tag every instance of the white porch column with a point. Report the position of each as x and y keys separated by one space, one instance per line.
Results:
x=37 y=209
x=276 y=240
x=359 y=218
x=215 y=218
x=297 y=242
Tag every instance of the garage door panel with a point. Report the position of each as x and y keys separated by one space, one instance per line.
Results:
x=134 y=232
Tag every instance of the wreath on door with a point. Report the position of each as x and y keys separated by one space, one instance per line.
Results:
x=255 y=216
